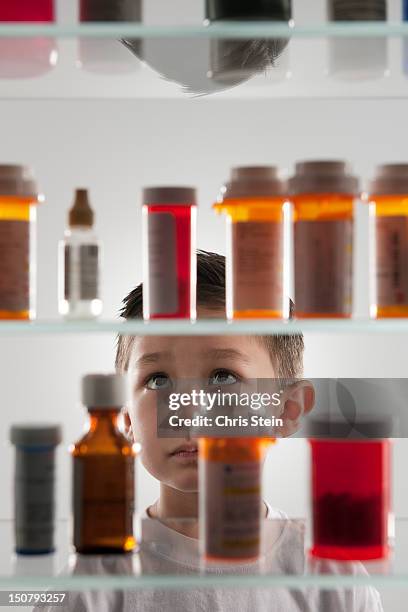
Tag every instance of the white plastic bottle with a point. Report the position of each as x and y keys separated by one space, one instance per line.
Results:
x=354 y=57
x=79 y=263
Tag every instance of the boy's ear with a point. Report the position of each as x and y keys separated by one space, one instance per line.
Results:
x=127 y=425
x=298 y=400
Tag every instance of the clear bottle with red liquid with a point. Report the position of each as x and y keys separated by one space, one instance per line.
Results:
x=350 y=490
x=27 y=57
x=169 y=215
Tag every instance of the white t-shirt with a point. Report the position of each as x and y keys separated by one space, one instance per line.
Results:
x=165 y=551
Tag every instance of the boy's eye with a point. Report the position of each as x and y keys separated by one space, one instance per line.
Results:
x=158 y=381
x=223 y=377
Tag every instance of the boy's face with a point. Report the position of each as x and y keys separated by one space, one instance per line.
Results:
x=158 y=361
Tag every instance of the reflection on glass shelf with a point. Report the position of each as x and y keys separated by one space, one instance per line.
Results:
x=231 y=60
x=183 y=327
x=284 y=563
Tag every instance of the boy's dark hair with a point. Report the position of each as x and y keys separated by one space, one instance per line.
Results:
x=286 y=351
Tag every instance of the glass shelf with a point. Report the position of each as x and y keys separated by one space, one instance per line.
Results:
x=232 y=60
x=180 y=327
x=226 y=29
x=64 y=570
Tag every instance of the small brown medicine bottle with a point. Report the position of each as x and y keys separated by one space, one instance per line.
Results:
x=103 y=471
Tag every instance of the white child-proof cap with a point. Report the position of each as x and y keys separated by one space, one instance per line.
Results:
x=332 y=176
x=35 y=434
x=184 y=196
x=390 y=179
x=254 y=181
x=17 y=181
x=104 y=390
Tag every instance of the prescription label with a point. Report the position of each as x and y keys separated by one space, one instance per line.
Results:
x=14 y=265
x=257 y=265
x=162 y=261
x=233 y=509
x=323 y=267
x=392 y=260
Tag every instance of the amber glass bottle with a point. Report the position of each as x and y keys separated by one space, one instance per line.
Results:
x=103 y=472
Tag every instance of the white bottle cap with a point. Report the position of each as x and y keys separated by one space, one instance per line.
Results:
x=35 y=434
x=17 y=181
x=254 y=181
x=390 y=179
x=104 y=390
x=323 y=177
x=183 y=196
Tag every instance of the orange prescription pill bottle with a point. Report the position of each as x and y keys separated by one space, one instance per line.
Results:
x=323 y=194
x=256 y=206
x=231 y=505
x=18 y=196
x=388 y=200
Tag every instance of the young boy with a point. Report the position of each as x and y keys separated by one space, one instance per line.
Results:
x=169 y=544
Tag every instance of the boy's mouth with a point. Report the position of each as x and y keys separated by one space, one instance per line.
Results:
x=186 y=452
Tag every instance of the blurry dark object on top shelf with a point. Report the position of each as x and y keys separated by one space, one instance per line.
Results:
x=241 y=59
x=105 y=55
x=405 y=45
x=276 y=10
x=204 y=66
x=27 y=57
x=357 y=10
x=110 y=10
x=358 y=58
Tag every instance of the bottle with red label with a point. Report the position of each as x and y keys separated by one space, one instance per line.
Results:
x=388 y=201
x=169 y=286
x=323 y=194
